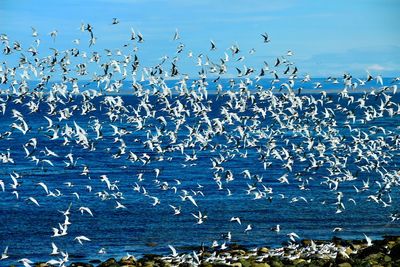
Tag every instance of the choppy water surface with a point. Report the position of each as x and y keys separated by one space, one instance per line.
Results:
x=325 y=145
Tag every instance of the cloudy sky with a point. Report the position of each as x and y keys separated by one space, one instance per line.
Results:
x=326 y=37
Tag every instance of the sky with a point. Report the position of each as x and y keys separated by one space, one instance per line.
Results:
x=327 y=38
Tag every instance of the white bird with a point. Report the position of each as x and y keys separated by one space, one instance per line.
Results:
x=369 y=240
x=26 y=262
x=55 y=250
x=33 y=200
x=81 y=238
x=85 y=209
x=237 y=219
x=277 y=228
x=2 y=185
x=292 y=236
x=248 y=228
x=174 y=253
x=177 y=210
x=119 y=205
x=200 y=217
x=102 y=251
x=4 y=255
x=44 y=187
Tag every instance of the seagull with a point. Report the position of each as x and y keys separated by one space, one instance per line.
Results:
x=236 y=219
x=292 y=236
x=277 y=228
x=53 y=34
x=33 y=200
x=213 y=46
x=369 y=240
x=26 y=262
x=102 y=251
x=266 y=37
x=34 y=32
x=174 y=254
x=200 y=217
x=177 y=210
x=81 y=238
x=115 y=21
x=55 y=250
x=86 y=209
x=248 y=228
x=119 y=205
x=176 y=35
x=4 y=255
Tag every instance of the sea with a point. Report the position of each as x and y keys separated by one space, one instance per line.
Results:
x=143 y=228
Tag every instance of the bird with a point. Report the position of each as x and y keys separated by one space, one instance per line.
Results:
x=55 y=250
x=266 y=37
x=176 y=35
x=33 y=200
x=115 y=21
x=277 y=228
x=119 y=205
x=53 y=34
x=177 y=210
x=173 y=250
x=236 y=219
x=248 y=228
x=292 y=236
x=81 y=238
x=200 y=217
x=86 y=209
x=4 y=255
x=88 y=126
x=213 y=46
x=368 y=239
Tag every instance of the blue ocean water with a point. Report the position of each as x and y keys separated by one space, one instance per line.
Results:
x=144 y=228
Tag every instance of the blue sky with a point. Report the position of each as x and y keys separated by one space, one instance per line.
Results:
x=326 y=37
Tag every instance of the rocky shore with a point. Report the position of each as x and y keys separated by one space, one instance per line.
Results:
x=337 y=252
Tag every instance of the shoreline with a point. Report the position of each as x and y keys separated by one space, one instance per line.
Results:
x=336 y=252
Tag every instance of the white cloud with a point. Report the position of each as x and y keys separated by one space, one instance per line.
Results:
x=376 y=67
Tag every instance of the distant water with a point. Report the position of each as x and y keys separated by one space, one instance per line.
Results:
x=143 y=228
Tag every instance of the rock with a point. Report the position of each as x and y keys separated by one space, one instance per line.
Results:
x=375 y=257
x=387 y=258
x=299 y=261
x=150 y=264
x=368 y=251
x=342 y=257
x=236 y=264
x=80 y=264
x=41 y=264
x=111 y=262
x=238 y=252
x=276 y=263
x=260 y=264
x=316 y=262
x=356 y=247
x=128 y=260
x=245 y=263
x=395 y=252
x=391 y=244
x=348 y=251
x=344 y=264
x=263 y=250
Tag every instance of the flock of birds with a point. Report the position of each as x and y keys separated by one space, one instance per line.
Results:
x=323 y=139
